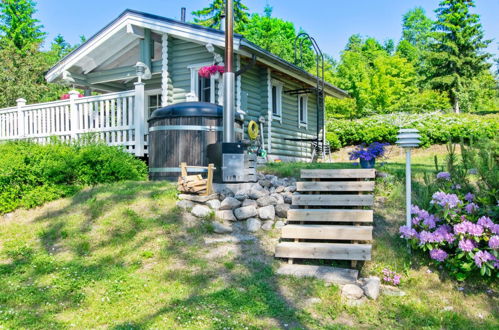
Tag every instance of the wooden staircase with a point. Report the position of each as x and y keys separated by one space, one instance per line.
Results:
x=329 y=218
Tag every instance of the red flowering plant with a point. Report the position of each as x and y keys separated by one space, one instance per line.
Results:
x=210 y=70
x=66 y=96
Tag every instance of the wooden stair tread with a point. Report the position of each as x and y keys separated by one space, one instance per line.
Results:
x=335 y=186
x=324 y=232
x=339 y=174
x=332 y=215
x=333 y=200
x=338 y=251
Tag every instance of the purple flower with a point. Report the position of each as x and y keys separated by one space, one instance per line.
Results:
x=407 y=232
x=468 y=227
x=494 y=242
x=396 y=279
x=448 y=201
x=475 y=230
x=481 y=257
x=443 y=233
x=495 y=229
x=444 y=176
x=471 y=208
x=425 y=237
x=466 y=245
x=469 y=197
x=438 y=254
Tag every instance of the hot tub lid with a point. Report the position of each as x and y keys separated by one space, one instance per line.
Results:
x=188 y=109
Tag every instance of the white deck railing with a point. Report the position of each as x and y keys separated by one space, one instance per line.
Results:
x=117 y=119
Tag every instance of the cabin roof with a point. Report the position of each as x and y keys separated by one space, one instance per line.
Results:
x=117 y=33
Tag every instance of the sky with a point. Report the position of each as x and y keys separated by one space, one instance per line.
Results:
x=330 y=22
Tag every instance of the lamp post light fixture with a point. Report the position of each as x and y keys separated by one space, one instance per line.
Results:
x=408 y=138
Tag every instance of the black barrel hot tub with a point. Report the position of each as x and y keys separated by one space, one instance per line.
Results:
x=181 y=132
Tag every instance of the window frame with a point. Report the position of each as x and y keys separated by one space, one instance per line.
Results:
x=303 y=123
x=279 y=86
x=194 y=69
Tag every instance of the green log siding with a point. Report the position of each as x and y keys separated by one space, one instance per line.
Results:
x=254 y=82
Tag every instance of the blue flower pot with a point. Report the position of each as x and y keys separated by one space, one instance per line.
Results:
x=367 y=163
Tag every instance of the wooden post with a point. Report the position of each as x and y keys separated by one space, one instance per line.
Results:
x=21 y=133
x=73 y=113
x=209 y=180
x=138 y=120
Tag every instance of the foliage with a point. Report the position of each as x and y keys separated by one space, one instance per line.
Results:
x=434 y=128
x=457 y=55
x=211 y=16
x=31 y=174
x=17 y=26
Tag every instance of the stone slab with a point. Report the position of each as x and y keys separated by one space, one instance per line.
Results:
x=325 y=273
x=197 y=198
x=235 y=238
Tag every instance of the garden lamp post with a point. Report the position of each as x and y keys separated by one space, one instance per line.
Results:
x=408 y=138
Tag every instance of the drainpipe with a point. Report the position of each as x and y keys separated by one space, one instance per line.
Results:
x=229 y=75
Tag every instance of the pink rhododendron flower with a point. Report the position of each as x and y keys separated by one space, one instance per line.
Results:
x=494 y=242
x=466 y=245
x=481 y=257
x=438 y=254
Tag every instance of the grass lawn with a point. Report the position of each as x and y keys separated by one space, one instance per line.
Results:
x=121 y=256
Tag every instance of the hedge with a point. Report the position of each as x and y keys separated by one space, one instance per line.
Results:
x=434 y=128
x=31 y=174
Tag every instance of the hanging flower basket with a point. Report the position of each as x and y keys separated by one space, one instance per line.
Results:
x=210 y=70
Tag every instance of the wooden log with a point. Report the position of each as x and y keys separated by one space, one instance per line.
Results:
x=325 y=232
x=325 y=215
x=333 y=200
x=338 y=174
x=337 y=251
x=335 y=186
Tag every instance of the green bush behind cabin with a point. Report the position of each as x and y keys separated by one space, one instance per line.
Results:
x=31 y=174
x=434 y=128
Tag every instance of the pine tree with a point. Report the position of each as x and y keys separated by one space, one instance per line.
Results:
x=211 y=16
x=17 y=26
x=457 y=55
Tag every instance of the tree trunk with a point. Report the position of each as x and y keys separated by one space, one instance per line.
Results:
x=456 y=105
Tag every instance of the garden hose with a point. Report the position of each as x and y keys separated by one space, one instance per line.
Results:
x=252 y=130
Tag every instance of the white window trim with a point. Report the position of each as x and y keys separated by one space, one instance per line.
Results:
x=305 y=105
x=194 y=68
x=279 y=90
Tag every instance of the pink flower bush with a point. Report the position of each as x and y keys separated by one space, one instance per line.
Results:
x=391 y=277
x=208 y=71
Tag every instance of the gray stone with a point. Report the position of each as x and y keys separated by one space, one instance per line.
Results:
x=201 y=211
x=288 y=197
x=197 y=198
x=391 y=291
x=280 y=189
x=253 y=225
x=185 y=204
x=272 y=190
x=266 y=201
x=352 y=291
x=357 y=302
x=230 y=203
x=279 y=224
x=255 y=194
x=267 y=212
x=290 y=189
x=326 y=273
x=225 y=192
x=241 y=195
x=267 y=225
x=371 y=287
x=221 y=228
x=214 y=204
x=265 y=183
x=250 y=202
x=281 y=210
x=233 y=238
x=226 y=215
x=278 y=198
x=245 y=212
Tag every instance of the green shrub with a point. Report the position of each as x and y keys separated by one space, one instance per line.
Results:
x=434 y=128
x=31 y=174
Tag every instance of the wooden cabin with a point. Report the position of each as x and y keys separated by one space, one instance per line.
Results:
x=140 y=62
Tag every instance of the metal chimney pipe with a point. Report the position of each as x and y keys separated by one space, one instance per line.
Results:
x=229 y=75
x=182 y=14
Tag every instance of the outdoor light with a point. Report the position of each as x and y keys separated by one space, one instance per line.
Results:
x=142 y=71
x=408 y=138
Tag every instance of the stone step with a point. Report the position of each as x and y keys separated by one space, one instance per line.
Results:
x=325 y=273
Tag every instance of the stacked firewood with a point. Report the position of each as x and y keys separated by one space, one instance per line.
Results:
x=192 y=184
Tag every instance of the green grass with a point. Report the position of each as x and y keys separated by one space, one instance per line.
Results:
x=122 y=256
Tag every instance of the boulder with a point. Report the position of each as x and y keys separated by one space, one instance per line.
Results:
x=352 y=291
x=279 y=224
x=267 y=225
x=250 y=202
x=281 y=210
x=290 y=189
x=225 y=215
x=201 y=211
x=278 y=198
x=229 y=203
x=266 y=201
x=214 y=204
x=280 y=189
x=255 y=194
x=371 y=287
x=224 y=193
x=241 y=195
x=265 y=183
x=288 y=197
x=253 y=225
x=245 y=212
x=267 y=212
x=185 y=204
x=221 y=228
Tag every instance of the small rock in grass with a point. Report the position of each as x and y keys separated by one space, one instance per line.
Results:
x=201 y=211
x=250 y=202
x=221 y=228
x=352 y=291
x=356 y=302
x=312 y=301
x=371 y=287
x=266 y=200
x=253 y=225
x=229 y=203
x=267 y=225
x=391 y=291
x=281 y=210
x=226 y=215
x=279 y=224
x=185 y=204
x=245 y=212
x=214 y=204
x=267 y=212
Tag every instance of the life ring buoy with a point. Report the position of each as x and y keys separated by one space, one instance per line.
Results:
x=253 y=130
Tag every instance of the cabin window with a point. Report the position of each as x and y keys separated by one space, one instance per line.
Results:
x=202 y=88
x=276 y=99
x=302 y=110
x=153 y=101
